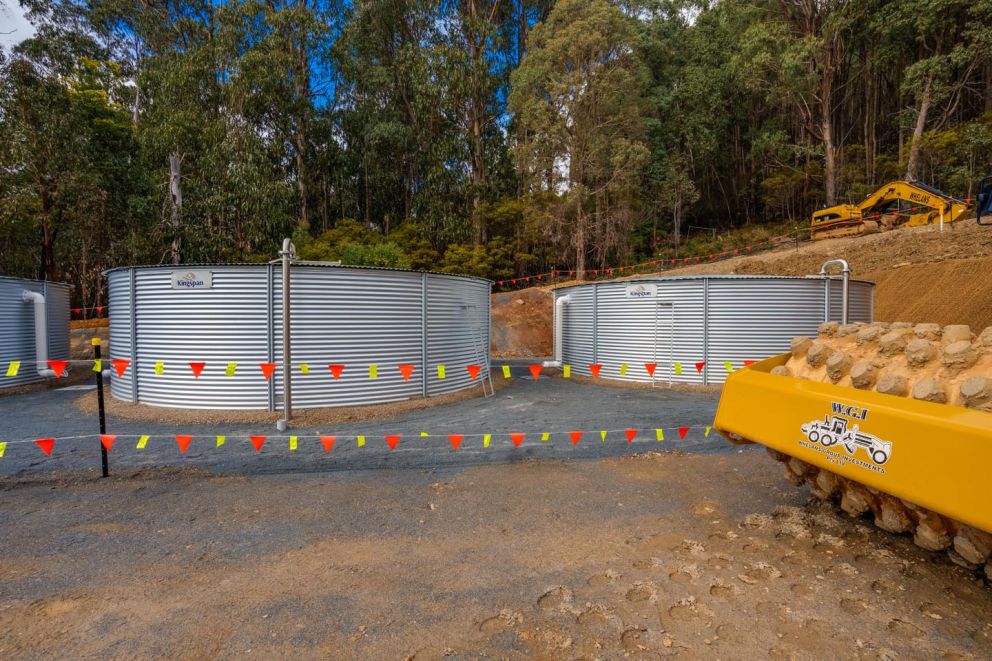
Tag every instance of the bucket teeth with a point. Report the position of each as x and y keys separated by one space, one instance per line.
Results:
x=947 y=365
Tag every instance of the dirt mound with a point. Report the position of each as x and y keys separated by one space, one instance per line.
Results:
x=521 y=323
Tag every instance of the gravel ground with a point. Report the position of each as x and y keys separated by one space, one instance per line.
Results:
x=690 y=549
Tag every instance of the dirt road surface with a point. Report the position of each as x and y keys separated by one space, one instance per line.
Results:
x=556 y=552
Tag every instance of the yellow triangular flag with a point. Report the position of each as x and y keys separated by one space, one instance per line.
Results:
x=3 y=448
x=292 y=443
x=142 y=442
x=545 y=436
x=728 y=366
x=678 y=368
x=361 y=441
x=220 y=440
x=424 y=434
x=623 y=369
x=440 y=371
x=602 y=435
x=506 y=371
x=659 y=434
x=306 y=369
x=13 y=368
x=373 y=371
x=97 y=365
x=566 y=371
x=231 y=369
x=485 y=440
x=707 y=432
x=159 y=367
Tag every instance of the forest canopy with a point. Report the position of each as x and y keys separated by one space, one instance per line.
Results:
x=489 y=137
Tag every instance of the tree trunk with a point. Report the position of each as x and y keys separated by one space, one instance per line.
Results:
x=175 y=204
x=829 y=151
x=580 y=242
x=916 y=144
x=46 y=265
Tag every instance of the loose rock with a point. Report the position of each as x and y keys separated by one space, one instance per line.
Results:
x=799 y=346
x=976 y=392
x=828 y=328
x=892 y=343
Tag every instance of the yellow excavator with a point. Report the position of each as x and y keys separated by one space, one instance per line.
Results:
x=896 y=204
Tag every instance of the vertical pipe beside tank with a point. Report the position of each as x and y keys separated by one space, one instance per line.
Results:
x=288 y=253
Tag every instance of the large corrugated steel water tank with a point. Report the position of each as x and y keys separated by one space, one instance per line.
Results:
x=17 y=327
x=679 y=322
x=230 y=317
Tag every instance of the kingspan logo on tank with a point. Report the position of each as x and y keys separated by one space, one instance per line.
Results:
x=642 y=290
x=840 y=429
x=192 y=279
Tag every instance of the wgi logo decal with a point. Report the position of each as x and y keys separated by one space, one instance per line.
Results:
x=840 y=429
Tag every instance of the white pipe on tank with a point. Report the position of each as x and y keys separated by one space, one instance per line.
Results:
x=287 y=254
x=846 y=273
x=560 y=304
x=40 y=332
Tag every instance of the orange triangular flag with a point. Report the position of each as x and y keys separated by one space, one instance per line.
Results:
x=535 y=371
x=328 y=442
x=473 y=371
x=258 y=442
x=197 y=368
x=393 y=441
x=748 y=363
x=406 y=371
x=517 y=439
x=108 y=440
x=46 y=445
x=576 y=436
x=456 y=440
x=631 y=433
x=120 y=364
x=58 y=366
x=650 y=367
x=683 y=431
x=700 y=365
x=183 y=442
x=594 y=368
x=267 y=369
x=336 y=371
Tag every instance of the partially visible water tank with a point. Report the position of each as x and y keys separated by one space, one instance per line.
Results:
x=17 y=327
x=677 y=323
x=164 y=317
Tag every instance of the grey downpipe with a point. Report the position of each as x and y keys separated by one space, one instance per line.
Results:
x=560 y=304
x=846 y=286
x=287 y=255
x=40 y=332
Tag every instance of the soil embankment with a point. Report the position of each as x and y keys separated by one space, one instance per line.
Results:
x=921 y=274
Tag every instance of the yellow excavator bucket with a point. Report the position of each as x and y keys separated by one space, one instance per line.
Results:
x=933 y=455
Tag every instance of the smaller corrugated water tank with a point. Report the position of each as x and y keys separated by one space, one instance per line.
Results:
x=694 y=329
x=366 y=321
x=18 y=331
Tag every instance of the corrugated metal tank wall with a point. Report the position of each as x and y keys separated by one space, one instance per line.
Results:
x=708 y=319
x=17 y=327
x=348 y=316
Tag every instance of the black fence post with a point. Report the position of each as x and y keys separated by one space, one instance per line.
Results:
x=99 y=398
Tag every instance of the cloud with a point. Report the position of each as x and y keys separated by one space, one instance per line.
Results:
x=14 y=26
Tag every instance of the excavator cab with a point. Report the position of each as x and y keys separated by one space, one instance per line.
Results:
x=984 y=206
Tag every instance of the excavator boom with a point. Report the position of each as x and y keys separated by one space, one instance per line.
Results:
x=915 y=204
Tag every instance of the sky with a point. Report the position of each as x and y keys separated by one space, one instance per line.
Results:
x=13 y=26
